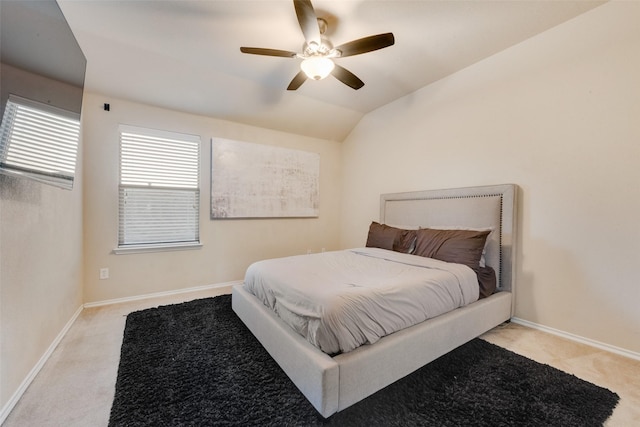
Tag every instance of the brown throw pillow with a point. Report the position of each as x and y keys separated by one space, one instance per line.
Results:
x=487 y=281
x=459 y=246
x=391 y=238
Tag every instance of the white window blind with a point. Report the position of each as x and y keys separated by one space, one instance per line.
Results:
x=39 y=141
x=159 y=194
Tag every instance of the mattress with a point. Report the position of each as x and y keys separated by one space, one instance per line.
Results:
x=341 y=300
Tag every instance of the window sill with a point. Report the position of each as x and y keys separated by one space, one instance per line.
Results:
x=137 y=249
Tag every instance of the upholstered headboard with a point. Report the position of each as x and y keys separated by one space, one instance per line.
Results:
x=472 y=207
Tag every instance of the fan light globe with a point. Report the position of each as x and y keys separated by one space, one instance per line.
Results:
x=317 y=67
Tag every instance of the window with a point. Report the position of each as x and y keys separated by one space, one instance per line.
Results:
x=159 y=194
x=39 y=142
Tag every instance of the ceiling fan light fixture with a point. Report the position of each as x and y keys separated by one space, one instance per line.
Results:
x=317 y=67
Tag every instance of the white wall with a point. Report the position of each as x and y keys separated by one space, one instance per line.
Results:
x=229 y=246
x=557 y=115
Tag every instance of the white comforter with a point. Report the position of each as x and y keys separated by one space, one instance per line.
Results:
x=343 y=299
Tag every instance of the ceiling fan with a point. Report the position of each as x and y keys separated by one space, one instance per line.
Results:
x=318 y=53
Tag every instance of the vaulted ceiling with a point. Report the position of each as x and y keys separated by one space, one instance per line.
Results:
x=185 y=55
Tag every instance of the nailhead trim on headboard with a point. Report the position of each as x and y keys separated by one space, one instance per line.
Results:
x=497 y=191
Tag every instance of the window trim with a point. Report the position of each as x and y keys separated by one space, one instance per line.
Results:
x=158 y=247
x=64 y=178
x=132 y=248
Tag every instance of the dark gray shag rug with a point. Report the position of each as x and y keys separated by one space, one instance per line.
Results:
x=196 y=364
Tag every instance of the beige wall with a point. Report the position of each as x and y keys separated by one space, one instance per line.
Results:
x=557 y=115
x=229 y=246
x=16 y=81
x=40 y=272
x=40 y=251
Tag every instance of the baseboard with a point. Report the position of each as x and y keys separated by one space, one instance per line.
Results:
x=8 y=407
x=160 y=294
x=577 y=338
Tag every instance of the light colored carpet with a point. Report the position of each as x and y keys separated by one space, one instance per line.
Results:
x=76 y=385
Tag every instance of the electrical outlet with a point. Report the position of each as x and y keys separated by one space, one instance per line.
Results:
x=104 y=273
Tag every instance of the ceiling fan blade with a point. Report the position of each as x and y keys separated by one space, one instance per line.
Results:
x=366 y=44
x=307 y=20
x=347 y=77
x=268 y=52
x=297 y=81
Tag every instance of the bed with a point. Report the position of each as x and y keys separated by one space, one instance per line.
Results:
x=333 y=383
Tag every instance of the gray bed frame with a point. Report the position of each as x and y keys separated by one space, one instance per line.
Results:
x=332 y=384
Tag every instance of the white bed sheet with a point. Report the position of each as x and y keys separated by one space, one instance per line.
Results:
x=342 y=299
